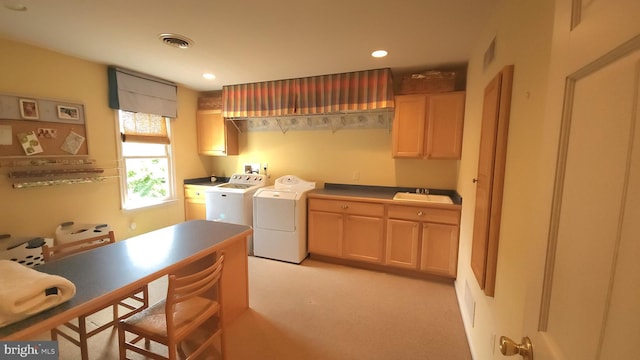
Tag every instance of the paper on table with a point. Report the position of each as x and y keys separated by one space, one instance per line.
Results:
x=29 y=142
x=72 y=143
x=5 y=135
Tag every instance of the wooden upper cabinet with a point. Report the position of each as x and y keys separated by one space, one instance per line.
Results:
x=215 y=136
x=429 y=125
x=409 y=126
x=445 y=119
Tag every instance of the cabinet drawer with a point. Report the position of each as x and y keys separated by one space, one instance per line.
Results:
x=417 y=213
x=194 y=192
x=347 y=207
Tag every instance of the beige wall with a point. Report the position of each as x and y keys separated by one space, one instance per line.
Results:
x=326 y=156
x=33 y=72
x=523 y=34
x=321 y=156
x=523 y=38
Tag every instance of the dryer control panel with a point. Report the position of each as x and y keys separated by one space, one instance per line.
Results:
x=290 y=182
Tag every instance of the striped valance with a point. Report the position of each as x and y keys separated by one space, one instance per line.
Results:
x=270 y=98
x=325 y=94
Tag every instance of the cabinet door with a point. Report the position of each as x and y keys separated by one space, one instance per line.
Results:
x=402 y=244
x=194 y=210
x=409 y=126
x=215 y=137
x=445 y=119
x=363 y=238
x=194 y=203
x=439 y=253
x=325 y=233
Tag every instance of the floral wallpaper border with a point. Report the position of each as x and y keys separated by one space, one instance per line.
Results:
x=333 y=122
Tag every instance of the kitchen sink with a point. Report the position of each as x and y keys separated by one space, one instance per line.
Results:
x=428 y=198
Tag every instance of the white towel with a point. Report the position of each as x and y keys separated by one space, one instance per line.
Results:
x=23 y=291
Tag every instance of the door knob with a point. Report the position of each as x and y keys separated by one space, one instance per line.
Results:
x=509 y=347
x=474 y=180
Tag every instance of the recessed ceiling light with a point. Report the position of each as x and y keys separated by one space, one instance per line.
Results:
x=379 y=53
x=16 y=6
x=176 y=40
x=208 y=76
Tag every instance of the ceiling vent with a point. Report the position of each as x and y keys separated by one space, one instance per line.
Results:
x=174 y=40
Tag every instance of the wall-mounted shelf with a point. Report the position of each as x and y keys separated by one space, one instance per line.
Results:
x=47 y=172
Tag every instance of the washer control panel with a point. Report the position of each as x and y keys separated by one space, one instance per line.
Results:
x=248 y=179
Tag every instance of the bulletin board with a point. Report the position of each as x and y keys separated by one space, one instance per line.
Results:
x=41 y=127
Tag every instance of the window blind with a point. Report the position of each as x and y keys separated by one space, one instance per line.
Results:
x=144 y=128
x=137 y=92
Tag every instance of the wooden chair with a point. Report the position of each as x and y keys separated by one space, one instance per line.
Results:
x=185 y=316
x=133 y=302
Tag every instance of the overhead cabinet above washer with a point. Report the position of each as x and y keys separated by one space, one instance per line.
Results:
x=216 y=136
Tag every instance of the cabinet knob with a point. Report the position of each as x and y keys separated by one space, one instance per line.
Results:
x=198 y=193
x=474 y=180
x=420 y=213
x=345 y=206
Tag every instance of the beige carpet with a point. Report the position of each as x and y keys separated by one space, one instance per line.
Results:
x=318 y=310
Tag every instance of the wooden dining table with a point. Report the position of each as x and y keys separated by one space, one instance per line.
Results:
x=107 y=273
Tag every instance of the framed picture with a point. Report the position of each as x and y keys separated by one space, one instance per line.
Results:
x=68 y=112
x=29 y=109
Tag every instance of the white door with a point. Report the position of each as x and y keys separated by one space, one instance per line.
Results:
x=584 y=298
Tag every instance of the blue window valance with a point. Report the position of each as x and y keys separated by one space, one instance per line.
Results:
x=137 y=92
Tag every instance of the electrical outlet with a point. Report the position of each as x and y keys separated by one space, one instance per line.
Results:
x=356 y=175
x=251 y=168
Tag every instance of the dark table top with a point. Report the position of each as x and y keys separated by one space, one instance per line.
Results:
x=102 y=272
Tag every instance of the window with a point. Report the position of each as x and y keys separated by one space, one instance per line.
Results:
x=146 y=159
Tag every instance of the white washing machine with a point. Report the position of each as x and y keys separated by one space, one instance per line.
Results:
x=232 y=202
x=280 y=220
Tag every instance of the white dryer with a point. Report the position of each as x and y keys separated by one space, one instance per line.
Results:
x=280 y=220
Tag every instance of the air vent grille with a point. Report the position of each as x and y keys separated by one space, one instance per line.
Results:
x=178 y=41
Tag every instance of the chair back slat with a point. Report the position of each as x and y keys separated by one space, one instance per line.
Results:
x=50 y=253
x=193 y=319
x=185 y=287
x=196 y=284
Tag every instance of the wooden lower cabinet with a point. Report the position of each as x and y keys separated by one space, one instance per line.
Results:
x=194 y=203
x=415 y=238
x=346 y=229
x=363 y=238
x=424 y=239
x=439 y=249
x=325 y=233
x=403 y=238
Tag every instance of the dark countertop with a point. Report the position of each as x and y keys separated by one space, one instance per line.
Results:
x=206 y=181
x=378 y=192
